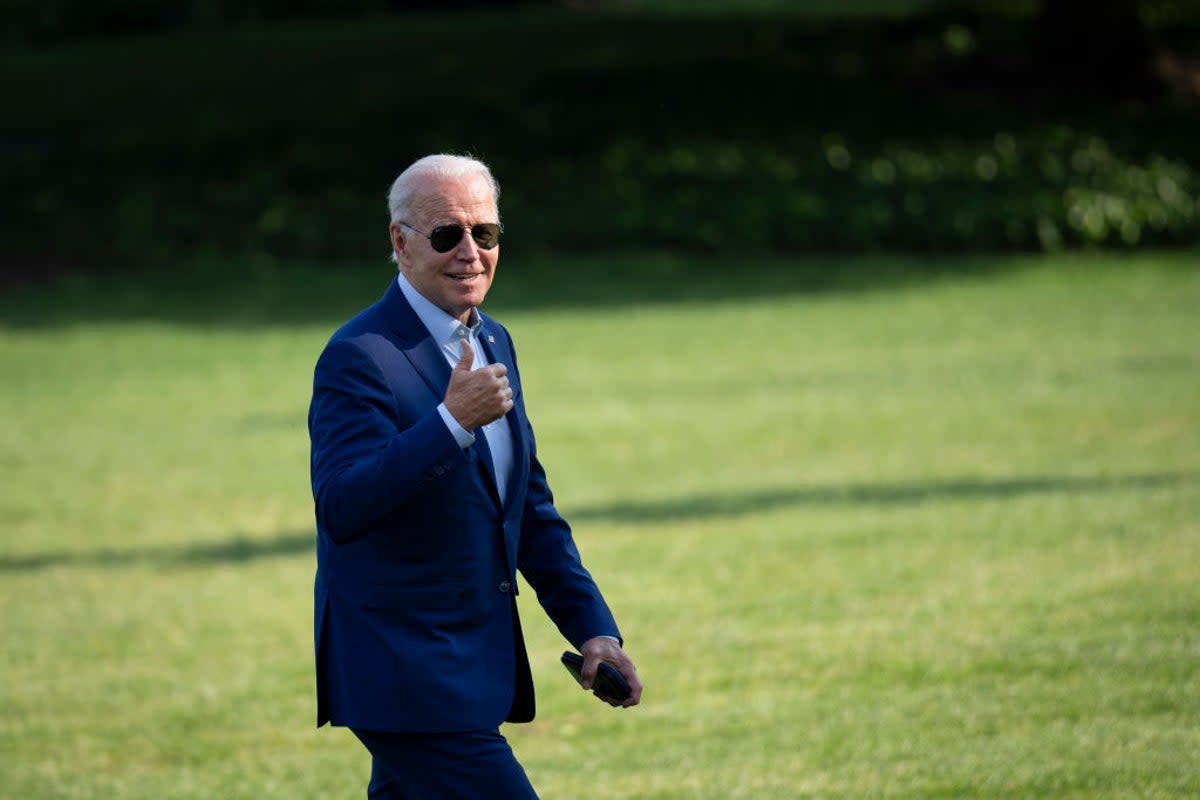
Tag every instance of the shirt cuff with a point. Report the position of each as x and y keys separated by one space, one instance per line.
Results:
x=461 y=435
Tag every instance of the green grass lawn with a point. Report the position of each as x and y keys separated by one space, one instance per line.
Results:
x=872 y=527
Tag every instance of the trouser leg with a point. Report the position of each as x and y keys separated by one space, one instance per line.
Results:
x=477 y=765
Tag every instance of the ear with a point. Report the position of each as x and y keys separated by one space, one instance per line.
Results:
x=396 y=232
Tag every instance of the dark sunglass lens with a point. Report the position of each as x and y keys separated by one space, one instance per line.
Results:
x=486 y=235
x=444 y=237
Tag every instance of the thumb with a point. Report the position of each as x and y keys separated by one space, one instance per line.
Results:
x=467 y=358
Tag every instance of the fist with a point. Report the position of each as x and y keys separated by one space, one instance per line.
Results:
x=477 y=397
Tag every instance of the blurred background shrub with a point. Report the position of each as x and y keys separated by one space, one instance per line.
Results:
x=142 y=129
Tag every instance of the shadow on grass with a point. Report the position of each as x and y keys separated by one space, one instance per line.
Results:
x=701 y=507
x=235 y=550
x=241 y=549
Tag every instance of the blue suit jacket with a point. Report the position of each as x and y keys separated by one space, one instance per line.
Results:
x=416 y=624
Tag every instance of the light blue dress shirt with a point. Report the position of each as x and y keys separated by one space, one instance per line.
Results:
x=449 y=333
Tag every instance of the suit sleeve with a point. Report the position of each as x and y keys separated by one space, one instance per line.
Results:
x=549 y=559
x=366 y=460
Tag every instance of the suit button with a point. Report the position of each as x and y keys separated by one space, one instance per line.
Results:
x=504 y=586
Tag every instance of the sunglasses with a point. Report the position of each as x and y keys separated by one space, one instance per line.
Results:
x=445 y=238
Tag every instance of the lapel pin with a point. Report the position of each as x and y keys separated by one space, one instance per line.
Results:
x=491 y=339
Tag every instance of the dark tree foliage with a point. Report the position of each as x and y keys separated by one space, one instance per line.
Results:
x=50 y=21
x=941 y=131
x=1101 y=45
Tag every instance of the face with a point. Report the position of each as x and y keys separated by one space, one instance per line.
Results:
x=458 y=280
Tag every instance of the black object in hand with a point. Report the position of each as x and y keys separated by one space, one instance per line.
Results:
x=609 y=682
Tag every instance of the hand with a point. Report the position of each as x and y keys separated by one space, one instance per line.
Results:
x=477 y=397
x=602 y=648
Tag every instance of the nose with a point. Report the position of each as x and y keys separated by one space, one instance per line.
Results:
x=467 y=249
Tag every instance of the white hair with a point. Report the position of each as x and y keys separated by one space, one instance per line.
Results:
x=405 y=189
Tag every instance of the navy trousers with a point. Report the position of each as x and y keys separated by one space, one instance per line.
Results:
x=477 y=765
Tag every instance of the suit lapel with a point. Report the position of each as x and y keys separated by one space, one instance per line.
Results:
x=486 y=465
x=415 y=342
x=497 y=352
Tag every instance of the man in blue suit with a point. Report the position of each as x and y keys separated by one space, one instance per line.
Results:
x=429 y=498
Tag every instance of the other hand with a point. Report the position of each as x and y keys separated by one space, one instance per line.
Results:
x=602 y=648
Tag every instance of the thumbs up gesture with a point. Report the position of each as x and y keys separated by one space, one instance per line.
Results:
x=477 y=397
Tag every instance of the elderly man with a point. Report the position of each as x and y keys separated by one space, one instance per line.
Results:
x=429 y=497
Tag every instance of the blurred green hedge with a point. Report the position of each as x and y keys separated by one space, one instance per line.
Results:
x=58 y=20
x=605 y=130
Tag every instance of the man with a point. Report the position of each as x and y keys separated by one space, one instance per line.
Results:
x=429 y=497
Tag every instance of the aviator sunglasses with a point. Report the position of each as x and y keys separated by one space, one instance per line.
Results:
x=445 y=238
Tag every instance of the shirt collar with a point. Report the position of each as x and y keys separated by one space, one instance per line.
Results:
x=441 y=326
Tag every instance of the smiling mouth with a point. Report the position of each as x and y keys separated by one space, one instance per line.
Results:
x=464 y=277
